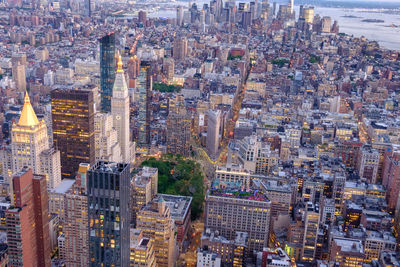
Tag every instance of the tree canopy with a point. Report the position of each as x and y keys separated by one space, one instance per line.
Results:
x=180 y=176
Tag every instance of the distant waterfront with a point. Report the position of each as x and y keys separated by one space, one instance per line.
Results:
x=386 y=33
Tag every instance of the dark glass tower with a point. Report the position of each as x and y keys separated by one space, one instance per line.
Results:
x=72 y=112
x=109 y=214
x=107 y=70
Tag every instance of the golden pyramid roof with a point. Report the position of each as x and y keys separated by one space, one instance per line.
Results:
x=28 y=116
x=119 y=65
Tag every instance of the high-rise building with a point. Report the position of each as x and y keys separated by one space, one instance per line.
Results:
x=178 y=129
x=142 y=16
x=73 y=127
x=179 y=16
x=142 y=250
x=120 y=113
x=280 y=196
x=30 y=147
x=257 y=156
x=311 y=223
x=107 y=70
x=229 y=210
x=180 y=48
x=180 y=208
x=76 y=228
x=169 y=68
x=89 y=7
x=233 y=174
x=326 y=24
x=27 y=221
x=18 y=63
x=155 y=221
x=143 y=189
x=213 y=127
x=232 y=252
x=291 y=6
x=109 y=214
x=246 y=19
x=347 y=252
x=50 y=164
x=133 y=67
x=308 y=13
x=338 y=191
x=19 y=76
x=368 y=163
x=145 y=85
x=107 y=147
x=29 y=139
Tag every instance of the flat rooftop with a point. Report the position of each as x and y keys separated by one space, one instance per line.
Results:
x=64 y=186
x=178 y=205
x=238 y=193
x=349 y=245
x=110 y=167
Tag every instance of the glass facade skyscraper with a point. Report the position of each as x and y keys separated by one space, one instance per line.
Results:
x=107 y=70
x=109 y=214
x=72 y=114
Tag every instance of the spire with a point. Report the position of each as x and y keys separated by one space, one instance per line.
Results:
x=120 y=82
x=119 y=64
x=28 y=116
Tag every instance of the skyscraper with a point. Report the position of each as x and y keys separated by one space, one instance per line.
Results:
x=107 y=70
x=180 y=48
x=109 y=214
x=28 y=221
x=290 y=6
x=145 y=86
x=311 y=223
x=120 y=113
x=214 y=121
x=30 y=146
x=133 y=67
x=178 y=129
x=169 y=68
x=19 y=76
x=89 y=7
x=142 y=16
x=308 y=13
x=18 y=63
x=73 y=127
x=106 y=138
x=29 y=139
x=179 y=16
x=76 y=228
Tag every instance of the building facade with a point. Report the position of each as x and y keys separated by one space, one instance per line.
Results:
x=229 y=214
x=155 y=221
x=109 y=214
x=178 y=129
x=27 y=221
x=107 y=70
x=213 y=127
x=145 y=85
x=120 y=113
x=73 y=127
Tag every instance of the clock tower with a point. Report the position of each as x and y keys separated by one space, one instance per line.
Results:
x=120 y=114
